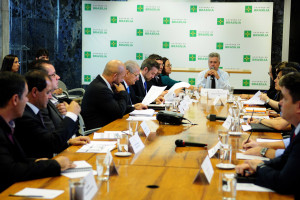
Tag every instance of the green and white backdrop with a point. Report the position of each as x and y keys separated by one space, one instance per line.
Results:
x=184 y=32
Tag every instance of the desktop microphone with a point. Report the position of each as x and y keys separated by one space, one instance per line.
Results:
x=212 y=117
x=181 y=143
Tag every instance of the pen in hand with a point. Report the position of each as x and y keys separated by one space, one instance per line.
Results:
x=251 y=128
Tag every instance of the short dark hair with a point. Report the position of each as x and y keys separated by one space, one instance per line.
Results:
x=8 y=62
x=287 y=70
x=149 y=64
x=36 y=78
x=42 y=52
x=291 y=82
x=38 y=64
x=155 y=57
x=283 y=65
x=10 y=84
x=164 y=59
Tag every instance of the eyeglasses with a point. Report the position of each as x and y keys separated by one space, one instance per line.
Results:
x=170 y=65
x=53 y=75
x=136 y=75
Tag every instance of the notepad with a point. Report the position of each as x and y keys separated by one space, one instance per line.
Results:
x=80 y=167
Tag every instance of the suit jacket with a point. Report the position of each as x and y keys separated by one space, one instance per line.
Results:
x=36 y=140
x=100 y=105
x=132 y=97
x=282 y=174
x=157 y=81
x=139 y=90
x=15 y=166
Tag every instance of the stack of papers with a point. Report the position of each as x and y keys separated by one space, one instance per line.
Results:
x=145 y=113
x=109 y=135
x=81 y=170
x=241 y=156
x=39 y=193
x=255 y=100
x=255 y=109
x=98 y=147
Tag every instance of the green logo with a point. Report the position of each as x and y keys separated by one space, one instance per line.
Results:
x=87 y=54
x=192 y=81
x=192 y=57
x=246 y=82
x=113 y=19
x=247 y=34
x=248 y=9
x=88 y=31
x=193 y=8
x=87 y=78
x=246 y=58
x=166 y=45
x=219 y=45
x=166 y=20
x=139 y=56
x=140 y=8
x=87 y=7
x=193 y=33
x=113 y=43
x=139 y=32
x=220 y=21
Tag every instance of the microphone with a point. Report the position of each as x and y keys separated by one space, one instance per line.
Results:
x=212 y=117
x=181 y=143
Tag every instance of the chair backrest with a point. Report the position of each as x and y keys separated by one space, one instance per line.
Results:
x=62 y=85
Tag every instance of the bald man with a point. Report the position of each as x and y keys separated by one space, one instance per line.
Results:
x=105 y=99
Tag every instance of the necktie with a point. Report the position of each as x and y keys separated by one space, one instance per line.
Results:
x=294 y=135
x=39 y=114
x=213 y=82
x=10 y=135
x=145 y=86
x=128 y=91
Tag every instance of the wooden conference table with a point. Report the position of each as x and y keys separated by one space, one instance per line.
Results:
x=160 y=163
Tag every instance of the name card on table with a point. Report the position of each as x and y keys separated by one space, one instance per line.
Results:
x=207 y=169
x=112 y=166
x=145 y=128
x=227 y=122
x=213 y=93
x=217 y=100
x=213 y=151
x=136 y=143
x=90 y=186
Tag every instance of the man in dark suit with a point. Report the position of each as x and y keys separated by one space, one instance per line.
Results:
x=149 y=69
x=105 y=99
x=35 y=138
x=282 y=174
x=157 y=79
x=14 y=165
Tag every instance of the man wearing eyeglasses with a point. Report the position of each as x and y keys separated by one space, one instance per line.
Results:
x=131 y=76
x=157 y=79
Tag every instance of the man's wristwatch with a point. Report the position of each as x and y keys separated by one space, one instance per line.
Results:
x=260 y=165
x=263 y=151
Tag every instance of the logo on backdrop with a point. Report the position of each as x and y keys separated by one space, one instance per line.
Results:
x=247 y=34
x=139 y=56
x=220 y=21
x=140 y=8
x=87 y=54
x=166 y=20
x=219 y=45
x=87 y=7
x=193 y=8
x=248 y=9
x=139 y=32
x=192 y=57
x=113 y=43
x=193 y=33
x=192 y=81
x=206 y=8
x=246 y=58
x=87 y=31
x=166 y=45
x=113 y=19
x=87 y=78
x=246 y=82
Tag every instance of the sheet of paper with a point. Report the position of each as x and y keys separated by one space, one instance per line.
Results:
x=44 y=193
x=137 y=118
x=242 y=156
x=146 y=112
x=251 y=187
x=218 y=100
x=78 y=174
x=246 y=127
x=145 y=128
x=152 y=94
x=256 y=109
x=235 y=133
x=98 y=147
x=207 y=168
x=255 y=100
x=108 y=135
x=267 y=140
x=170 y=95
x=227 y=122
x=255 y=117
x=213 y=151
x=90 y=186
x=136 y=143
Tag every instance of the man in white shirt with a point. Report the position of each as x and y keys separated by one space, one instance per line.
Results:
x=213 y=77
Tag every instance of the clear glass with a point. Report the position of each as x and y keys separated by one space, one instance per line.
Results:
x=123 y=143
x=228 y=185
x=102 y=164
x=225 y=155
x=223 y=137
x=169 y=106
x=76 y=186
x=132 y=126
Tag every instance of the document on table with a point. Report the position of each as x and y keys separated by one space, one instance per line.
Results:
x=251 y=187
x=246 y=127
x=39 y=193
x=255 y=109
x=242 y=156
x=169 y=95
x=255 y=100
x=109 y=135
x=139 y=118
x=147 y=113
x=98 y=147
x=152 y=94
x=267 y=140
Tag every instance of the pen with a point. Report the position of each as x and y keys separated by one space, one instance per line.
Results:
x=28 y=196
x=251 y=128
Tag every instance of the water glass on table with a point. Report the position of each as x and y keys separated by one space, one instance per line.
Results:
x=122 y=142
x=102 y=164
x=132 y=126
x=228 y=186
x=76 y=186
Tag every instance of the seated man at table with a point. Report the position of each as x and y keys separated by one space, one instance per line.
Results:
x=33 y=135
x=213 y=77
x=157 y=78
x=14 y=165
x=105 y=99
x=282 y=173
